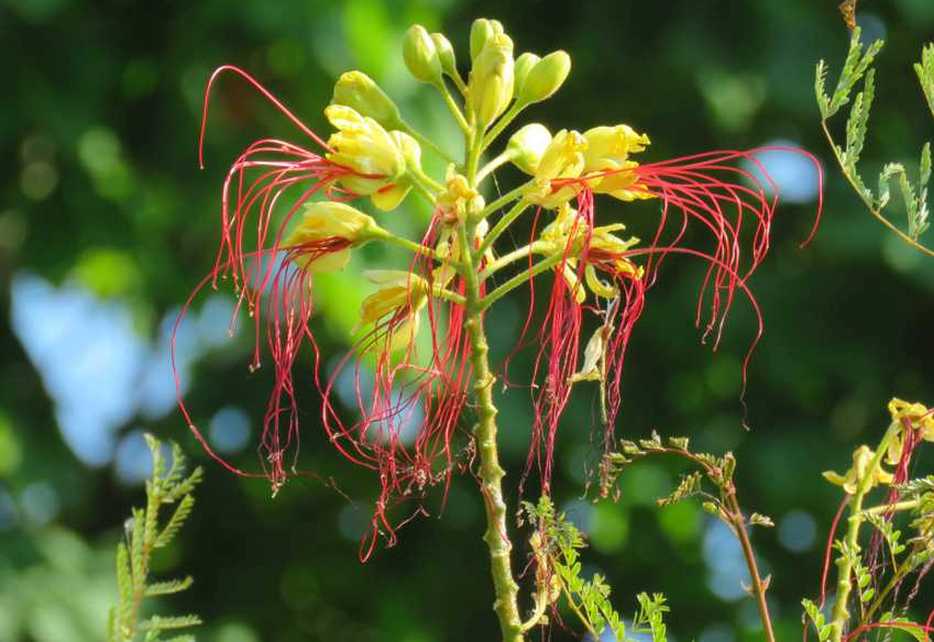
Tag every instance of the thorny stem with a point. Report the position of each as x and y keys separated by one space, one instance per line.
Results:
x=841 y=615
x=490 y=472
x=876 y=213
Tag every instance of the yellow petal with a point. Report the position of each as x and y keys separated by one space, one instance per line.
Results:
x=388 y=198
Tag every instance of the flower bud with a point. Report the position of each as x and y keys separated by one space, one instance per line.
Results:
x=328 y=220
x=357 y=90
x=527 y=145
x=480 y=32
x=445 y=54
x=421 y=55
x=524 y=64
x=545 y=77
x=492 y=80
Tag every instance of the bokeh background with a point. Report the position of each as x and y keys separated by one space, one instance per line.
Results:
x=106 y=223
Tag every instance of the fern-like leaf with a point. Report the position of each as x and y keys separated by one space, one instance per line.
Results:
x=856 y=64
x=925 y=71
x=164 y=623
x=857 y=123
x=168 y=587
x=820 y=91
x=690 y=486
x=182 y=511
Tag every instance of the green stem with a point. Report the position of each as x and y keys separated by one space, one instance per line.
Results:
x=495 y=164
x=506 y=259
x=458 y=82
x=424 y=141
x=452 y=106
x=503 y=123
x=505 y=199
x=502 y=224
x=908 y=504
x=521 y=279
x=841 y=616
x=412 y=246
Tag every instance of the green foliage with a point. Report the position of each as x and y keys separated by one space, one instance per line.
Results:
x=813 y=612
x=858 y=65
x=651 y=616
x=146 y=531
x=558 y=542
x=925 y=71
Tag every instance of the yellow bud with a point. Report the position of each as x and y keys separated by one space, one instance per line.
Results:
x=524 y=64
x=545 y=77
x=421 y=55
x=480 y=32
x=492 y=79
x=327 y=220
x=527 y=146
x=445 y=54
x=357 y=90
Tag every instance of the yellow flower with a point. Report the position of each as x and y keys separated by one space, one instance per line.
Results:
x=563 y=158
x=919 y=418
x=608 y=149
x=399 y=291
x=328 y=220
x=851 y=480
x=362 y=145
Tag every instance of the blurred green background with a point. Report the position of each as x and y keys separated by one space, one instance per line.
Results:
x=106 y=223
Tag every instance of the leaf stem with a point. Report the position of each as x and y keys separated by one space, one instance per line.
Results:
x=759 y=586
x=876 y=213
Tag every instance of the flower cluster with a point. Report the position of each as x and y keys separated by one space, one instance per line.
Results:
x=286 y=217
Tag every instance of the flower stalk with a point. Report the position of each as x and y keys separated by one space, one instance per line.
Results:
x=491 y=472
